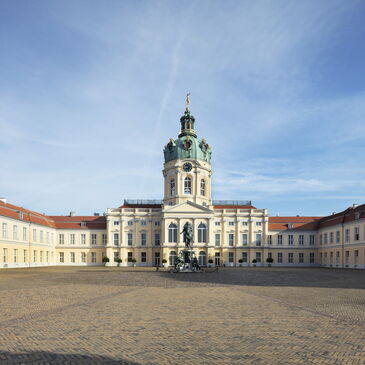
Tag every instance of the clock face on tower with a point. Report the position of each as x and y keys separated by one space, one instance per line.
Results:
x=187 y=166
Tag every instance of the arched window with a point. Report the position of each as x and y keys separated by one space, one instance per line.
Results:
x=172 y=232
x=202 y=187
x=202 y=259
x=187 y=185
x=172 y=258
x=172 y=187
x=202 y=233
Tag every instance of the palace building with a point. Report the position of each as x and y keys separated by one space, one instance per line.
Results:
x=230 y=233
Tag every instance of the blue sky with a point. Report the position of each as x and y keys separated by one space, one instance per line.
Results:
x=91 y=91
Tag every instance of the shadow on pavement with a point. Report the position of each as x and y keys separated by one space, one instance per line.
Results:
x=44 y=357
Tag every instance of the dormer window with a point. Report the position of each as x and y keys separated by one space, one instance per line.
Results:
x=290 y=225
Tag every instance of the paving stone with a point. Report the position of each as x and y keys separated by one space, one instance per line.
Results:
x=71 y=315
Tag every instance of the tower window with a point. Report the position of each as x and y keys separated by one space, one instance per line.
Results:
x=202 y=187
x=172 y=187
x=172 y=232
x=187 y=185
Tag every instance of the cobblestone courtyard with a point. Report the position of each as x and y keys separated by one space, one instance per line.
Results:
x=100 y=315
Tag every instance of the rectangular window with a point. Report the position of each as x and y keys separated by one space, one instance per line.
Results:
x=116 y=256
x=130 y=223
x=83 y=238
x=34 y=256
x=290 y=240
x=301 y=239
x=280 y=257
x=269 y=239
x=130 y=256
x=72 y=257
x=244 y=257
x=331 y=237
x=15 y=232
x=337 y=236
x=157 y=239
x=5 y=255
x=47 y=256
x=217 y=239
x=356 y=233
x=245 y=223
x=5 y=230
x=320 y=239
x=72 y=238
x=311 y=239
x=231 y=257
x=311 y=257
x=24 y=233
x=116 y=239
x=41 y=236
x=15 y=255
x=301 y=257
x=34 y=235
x=217 y=223
x=41 y=256
x=290 y=257
x=103 y=237
x=258 y=257
x=231 y=223
x=231 y=239
x=143 y=238
x=258 y=239
x=24 y=255
x=259 y=224
x=83 y=257
x=143 y=257
x=347 y=235
x=47 y=237
x=93 y=257
x=280 y=240
x=157 y=224
x=325 y=238
x=244 y=239
x=143 y=223
x=61 y=239
x=93 y=239
x=116 y=223
x=62 y=257
x=130 y=238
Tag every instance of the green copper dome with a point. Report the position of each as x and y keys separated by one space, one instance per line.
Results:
x=187 y=145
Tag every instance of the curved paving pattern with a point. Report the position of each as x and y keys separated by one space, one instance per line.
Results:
x=234 y=316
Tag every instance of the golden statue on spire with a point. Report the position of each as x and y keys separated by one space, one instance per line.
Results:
x=187 y=101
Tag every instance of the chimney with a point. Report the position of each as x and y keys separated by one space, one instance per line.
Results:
x=354 y=205
x=72 y=214
x=3 y=200
x=96 y=214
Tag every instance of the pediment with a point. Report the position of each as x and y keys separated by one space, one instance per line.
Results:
x=187 y=207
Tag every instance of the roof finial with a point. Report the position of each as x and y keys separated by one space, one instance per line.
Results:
x=187 y=101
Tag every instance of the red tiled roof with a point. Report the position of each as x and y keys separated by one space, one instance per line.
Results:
x=67 y=222
x=80 y=222
x=348 y=215
x=300 y=223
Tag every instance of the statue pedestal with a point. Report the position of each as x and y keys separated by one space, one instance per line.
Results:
x=186 y=262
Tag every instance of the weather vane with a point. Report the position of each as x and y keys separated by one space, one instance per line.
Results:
x=187 y=101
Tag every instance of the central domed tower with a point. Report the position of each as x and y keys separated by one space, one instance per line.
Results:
x=187 y=170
